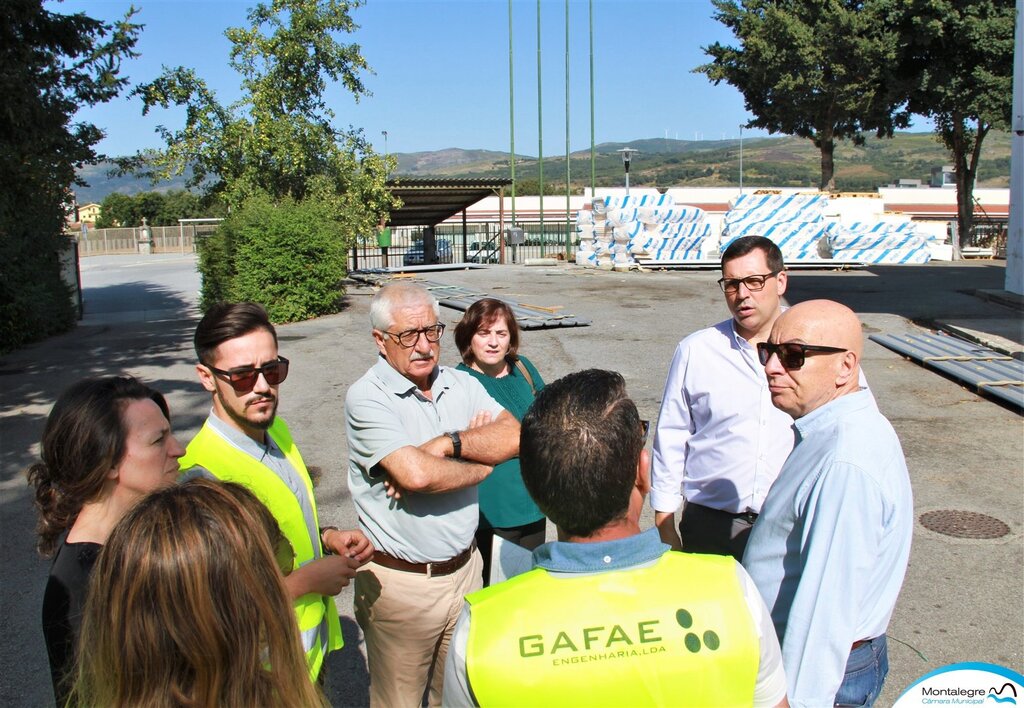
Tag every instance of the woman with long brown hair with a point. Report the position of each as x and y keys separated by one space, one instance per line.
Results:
x=187 y=606
x=107 y=443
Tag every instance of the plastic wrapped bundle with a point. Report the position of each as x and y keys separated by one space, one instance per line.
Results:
x=879 y=242
x=620 y=217
x=621 y=234
x=680 y=229
x=584 y=216
x=610 y=203
x=679 y=249
x=673 y=215
x=643 y=245
x=763 y=210
x=797 y=241
x=655 y=200
x=599 y=207
x=585 y=230
x=586 y=258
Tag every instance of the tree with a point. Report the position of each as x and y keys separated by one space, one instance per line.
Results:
x=50 y=66
x=958 y=54
x=279 y=135
x=116 y=209
x=820 y=70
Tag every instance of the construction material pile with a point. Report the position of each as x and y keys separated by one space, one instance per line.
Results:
x=618 y=230
x=809 y=227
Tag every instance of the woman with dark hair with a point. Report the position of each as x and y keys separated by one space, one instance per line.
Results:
x=187 y=607
x=488 y=340
x=106 y=444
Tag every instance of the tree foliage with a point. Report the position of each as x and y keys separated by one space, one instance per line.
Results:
x=279 y=135
x=958 y=54
x=50 y=66
x=820 y=70
x=285 y=254
x=277 y=143
x=159 y=209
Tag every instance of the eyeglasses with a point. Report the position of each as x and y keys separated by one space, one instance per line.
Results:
x=243 y=378
x=753 y=283
x=409 y=337
x=645 y=426
x=791 y=354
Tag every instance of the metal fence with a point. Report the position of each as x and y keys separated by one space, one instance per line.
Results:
x=166 y=239
x=481 y=244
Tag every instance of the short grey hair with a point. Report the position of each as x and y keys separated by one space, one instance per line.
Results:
x=392 y=295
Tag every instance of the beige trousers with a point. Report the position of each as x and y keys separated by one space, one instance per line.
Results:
x=407 y=621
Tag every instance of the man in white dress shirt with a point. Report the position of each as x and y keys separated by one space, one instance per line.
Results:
x=720 y=442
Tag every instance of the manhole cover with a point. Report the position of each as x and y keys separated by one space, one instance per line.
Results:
x=964 y=524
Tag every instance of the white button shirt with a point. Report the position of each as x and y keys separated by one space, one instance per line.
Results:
x=719 y=441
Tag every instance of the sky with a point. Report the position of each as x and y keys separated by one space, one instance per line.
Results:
x=441 y=72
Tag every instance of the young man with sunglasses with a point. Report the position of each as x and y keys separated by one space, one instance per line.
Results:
x=244 y=441
x=830 y=550
x=420 y=437
x=609 y=615
x=720 y=443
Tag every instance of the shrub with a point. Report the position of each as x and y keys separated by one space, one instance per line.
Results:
x=291 y=257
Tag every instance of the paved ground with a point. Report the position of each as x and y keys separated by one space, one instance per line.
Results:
x=962 y=600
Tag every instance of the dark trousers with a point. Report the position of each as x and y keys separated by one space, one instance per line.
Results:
x=529 y=536
x=706 y=530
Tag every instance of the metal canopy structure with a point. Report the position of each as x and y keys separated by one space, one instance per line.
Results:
x=428 y=202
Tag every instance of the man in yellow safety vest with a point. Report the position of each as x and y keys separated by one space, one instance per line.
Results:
x=244 y=441
x=609 y=615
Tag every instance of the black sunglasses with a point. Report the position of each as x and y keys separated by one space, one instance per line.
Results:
x=791 y=354
x=243 y=379
x=645 y=427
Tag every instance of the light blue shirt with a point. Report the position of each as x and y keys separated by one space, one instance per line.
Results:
x=830 y=549
x=384 y=411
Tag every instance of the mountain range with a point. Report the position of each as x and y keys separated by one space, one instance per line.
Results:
x=767 y=162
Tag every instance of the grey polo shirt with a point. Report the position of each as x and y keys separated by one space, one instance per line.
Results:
x=384 y=411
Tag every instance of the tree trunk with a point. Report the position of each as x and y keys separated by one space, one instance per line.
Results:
x=966 y=148
x=827 y=146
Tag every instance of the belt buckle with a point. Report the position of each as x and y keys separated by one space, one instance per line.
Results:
x=429 y=569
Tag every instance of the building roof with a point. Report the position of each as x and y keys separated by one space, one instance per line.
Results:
x=427 y=202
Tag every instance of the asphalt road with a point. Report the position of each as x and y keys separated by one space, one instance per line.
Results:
x=962 y=599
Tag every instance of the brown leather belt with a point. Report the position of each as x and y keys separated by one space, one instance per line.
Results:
x=429 y=569
x=861 y=642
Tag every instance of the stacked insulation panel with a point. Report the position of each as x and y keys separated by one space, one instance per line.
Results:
x=877 y=242
x=796 y=222
x=619 y=230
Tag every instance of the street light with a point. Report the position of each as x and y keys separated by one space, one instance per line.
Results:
x=627 y=155
x=741 y=158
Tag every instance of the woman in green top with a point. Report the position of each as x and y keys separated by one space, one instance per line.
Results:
x=488 y=339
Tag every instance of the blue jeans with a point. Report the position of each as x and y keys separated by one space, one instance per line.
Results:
x=866 y=670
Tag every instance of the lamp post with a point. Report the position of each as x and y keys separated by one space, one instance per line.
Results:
x=741 y=158
x=627 y=155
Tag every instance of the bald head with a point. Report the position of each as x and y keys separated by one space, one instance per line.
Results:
x=824 y=375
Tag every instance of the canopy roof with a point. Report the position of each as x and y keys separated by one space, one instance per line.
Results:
x=428 y=202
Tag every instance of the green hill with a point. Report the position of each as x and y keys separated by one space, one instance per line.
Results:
x=767 y=162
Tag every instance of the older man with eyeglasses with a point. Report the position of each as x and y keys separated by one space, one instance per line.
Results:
x=720 y=443
x=421 y=437
x=830 y=549
x=245 y=441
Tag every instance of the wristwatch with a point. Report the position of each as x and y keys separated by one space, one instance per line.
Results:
x=456 y=444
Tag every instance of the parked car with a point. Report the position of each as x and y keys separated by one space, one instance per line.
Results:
x=482 y=252
x=414 y=256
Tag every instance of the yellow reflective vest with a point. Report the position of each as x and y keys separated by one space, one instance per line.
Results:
x=229 y=464
x=674 y=633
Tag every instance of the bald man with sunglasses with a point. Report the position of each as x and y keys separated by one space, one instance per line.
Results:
x=830 y=548
x=245 y=441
